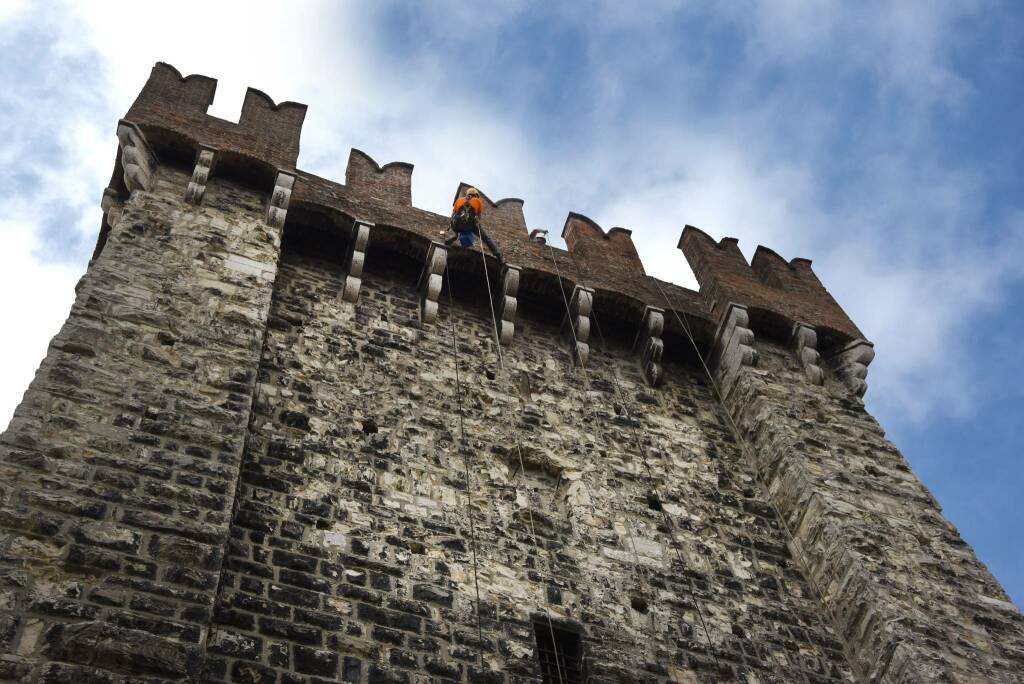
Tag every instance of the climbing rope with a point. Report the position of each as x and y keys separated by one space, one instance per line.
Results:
x=519 y=450
x=518 y=447
x=497 y=342
x=668 y=521
x=640 y=569
x=465 y=459
x=715 y=390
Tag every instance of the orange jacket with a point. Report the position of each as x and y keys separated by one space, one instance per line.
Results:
x=477 y=205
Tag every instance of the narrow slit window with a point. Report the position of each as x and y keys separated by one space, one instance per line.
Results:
x=560 y=652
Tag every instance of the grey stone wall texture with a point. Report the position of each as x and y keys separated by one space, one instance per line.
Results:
x=286 y=437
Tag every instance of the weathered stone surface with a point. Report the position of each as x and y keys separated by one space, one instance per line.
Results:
x=111 y=648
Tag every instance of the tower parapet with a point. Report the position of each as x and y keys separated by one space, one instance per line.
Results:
x=777 y=293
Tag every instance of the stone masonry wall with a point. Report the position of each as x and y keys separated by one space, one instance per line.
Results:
x=911 y=600
x=351 y=551
x=118 y=471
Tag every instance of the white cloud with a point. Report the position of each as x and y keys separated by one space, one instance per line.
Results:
x=9 y=9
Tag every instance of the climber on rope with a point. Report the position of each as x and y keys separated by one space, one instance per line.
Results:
x=466 y=222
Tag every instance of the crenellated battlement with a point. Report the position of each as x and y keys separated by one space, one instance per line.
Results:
x=169 y=121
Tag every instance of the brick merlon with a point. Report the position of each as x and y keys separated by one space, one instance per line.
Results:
x=390 y=182
x=587 y=241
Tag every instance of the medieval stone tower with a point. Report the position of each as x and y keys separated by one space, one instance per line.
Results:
x=286 y=436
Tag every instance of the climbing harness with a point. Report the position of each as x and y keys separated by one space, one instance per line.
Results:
x=464 y=220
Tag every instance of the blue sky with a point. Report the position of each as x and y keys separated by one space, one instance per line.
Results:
x=881 y=140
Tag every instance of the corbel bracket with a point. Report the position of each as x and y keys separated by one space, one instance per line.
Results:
x=200 y=175
x=431 y=281
x=851 y=365
x=733 y=347
x=577 y=327
x=649 y=345
x=112 y=205
x=507 y=304
x=804 y=342
x=280 y=197
x=354 y=260
x=137 y=160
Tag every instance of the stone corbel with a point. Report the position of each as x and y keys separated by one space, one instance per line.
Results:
x=431 y=281
x=577 y=328
x=804 y=342
x=112 y=205
x=355 y=259
x=277 y=208
x=851 y=365
x=649 y=345
x=137 y=160
x=507 y=304
x=733 y=346
x=200 y=175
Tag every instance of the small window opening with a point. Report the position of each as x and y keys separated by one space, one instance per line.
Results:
x=653 y=502
x=639 y=604
x=369 y=426
x=560 y=653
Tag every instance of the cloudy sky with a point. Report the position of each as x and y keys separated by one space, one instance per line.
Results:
x=882 y=140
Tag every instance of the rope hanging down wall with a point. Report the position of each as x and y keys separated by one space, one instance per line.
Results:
x=668 y=522
x=716 y=391
x=514 y=432
x=639 y=567
x=529 y=511
x=464 y=448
